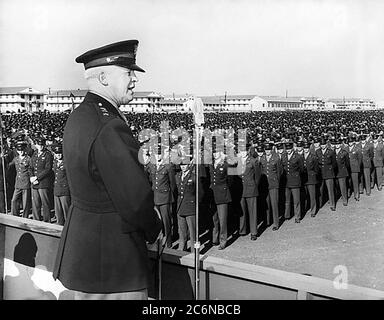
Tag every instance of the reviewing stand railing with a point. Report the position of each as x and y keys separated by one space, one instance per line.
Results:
x=219 y=278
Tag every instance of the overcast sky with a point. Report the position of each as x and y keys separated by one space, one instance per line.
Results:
x=321 y=48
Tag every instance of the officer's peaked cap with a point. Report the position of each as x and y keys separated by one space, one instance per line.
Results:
x=121 y=54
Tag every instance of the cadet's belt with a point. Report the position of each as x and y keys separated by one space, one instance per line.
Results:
x=94 y=207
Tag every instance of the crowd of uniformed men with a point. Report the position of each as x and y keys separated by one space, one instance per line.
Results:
x=293 y=163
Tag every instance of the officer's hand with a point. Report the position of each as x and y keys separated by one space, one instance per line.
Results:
x=32 y=179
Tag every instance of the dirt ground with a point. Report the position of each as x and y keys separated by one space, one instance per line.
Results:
x=352 y=236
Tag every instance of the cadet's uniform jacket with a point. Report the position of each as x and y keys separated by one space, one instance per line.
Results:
x=355 y=158
x=186 y=192
x=378 y=154
x=163 y=182
x=60 y=185
x=41 y=167
x=272 y=169
x=250 y=173
x=311 y=169
x=23 y=172
x=327 y=163
x=219 y=183
x=342 y=160
x=102 y=247
x=293 y=168
x=367 y=152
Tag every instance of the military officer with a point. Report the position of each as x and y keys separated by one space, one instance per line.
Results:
x=102 y=252
x=162 y=177
x=343 y=168
x=292 y=163
x=41 y=174
x=310 y=177
x=271 y=167
x=218 y=172
x=378 y=156
x=327 y=163
x=355 y=162
x=186 y=202
x=22 y=163
x=367 y=152
x=249 y=169
x=61 y=194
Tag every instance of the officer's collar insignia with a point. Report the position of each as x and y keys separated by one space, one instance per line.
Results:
x=104 y=111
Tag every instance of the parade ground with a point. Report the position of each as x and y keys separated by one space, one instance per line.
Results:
x=351 y=237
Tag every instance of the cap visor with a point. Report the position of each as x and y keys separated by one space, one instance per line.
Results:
x=136 y=68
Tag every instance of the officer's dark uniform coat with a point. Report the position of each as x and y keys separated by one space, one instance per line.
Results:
x=250 y=177
x=342 y=160
x=102 y=248
x=60 y=186
x=327 y=163
x=293 y=168
x=186 y=192
x=311 y=169
x=41 y=167
x=355 y=158
x=163 y=182
x=219 y=183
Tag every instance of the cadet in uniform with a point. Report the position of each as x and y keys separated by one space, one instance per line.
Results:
x=310 y=177
x=343 y=168
x=218 y=172
x=327 y=163
x=292 y=163
x=22 y=163
x=378 y=156
x=272 y=169
x=102 y=252
x=41 y=173
x=61 y=194
x=186 y=203
x=250 y=172
x=162 y=177
x=367 y=152
x=355 y=162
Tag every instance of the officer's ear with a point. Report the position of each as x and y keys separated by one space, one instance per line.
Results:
x=103 y=78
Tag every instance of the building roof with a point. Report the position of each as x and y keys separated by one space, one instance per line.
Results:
x=281 y=99
x=145 y=94
x=171 y=102
x=212 y=100
x=342 y=100
x=19 y=90
x=67 y=93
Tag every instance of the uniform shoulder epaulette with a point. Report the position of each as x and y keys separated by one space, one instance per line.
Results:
x=106 y=115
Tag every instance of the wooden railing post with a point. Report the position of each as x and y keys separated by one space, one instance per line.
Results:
x=303 y=295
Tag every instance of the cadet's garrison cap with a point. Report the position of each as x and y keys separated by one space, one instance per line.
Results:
x=306 y=145
x=121 y=54
x=289 y=145
x=20 y=144
x=268 y=146
x=57 y=148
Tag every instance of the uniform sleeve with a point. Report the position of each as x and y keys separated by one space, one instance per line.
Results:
x=47 y=168
x=116 y=156
x=172 y=180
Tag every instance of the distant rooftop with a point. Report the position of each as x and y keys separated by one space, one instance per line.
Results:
x=18 y=90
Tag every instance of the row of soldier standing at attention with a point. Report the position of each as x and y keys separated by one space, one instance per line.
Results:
x=35 y=180
x=285 y=179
